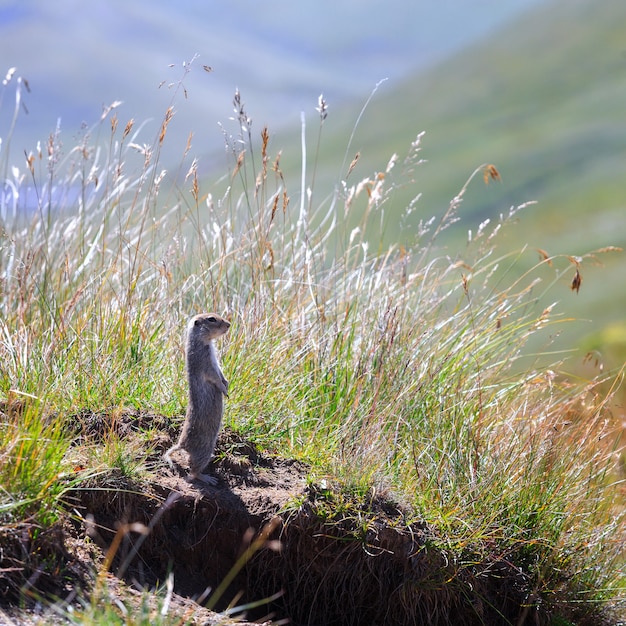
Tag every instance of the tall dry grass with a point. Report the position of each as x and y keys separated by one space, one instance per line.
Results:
x=404 y=367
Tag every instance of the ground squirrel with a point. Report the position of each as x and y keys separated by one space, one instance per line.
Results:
x=207 y=385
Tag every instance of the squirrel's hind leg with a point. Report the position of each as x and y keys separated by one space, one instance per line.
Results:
x=205 y=478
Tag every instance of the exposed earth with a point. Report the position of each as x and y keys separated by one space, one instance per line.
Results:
x=264 y=538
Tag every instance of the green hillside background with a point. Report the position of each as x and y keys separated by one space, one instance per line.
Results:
x=545 y=101
x=78 y=57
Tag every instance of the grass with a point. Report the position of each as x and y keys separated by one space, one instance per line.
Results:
x=390 y=367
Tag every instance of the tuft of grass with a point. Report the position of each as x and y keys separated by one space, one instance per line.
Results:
x=32 y=472
x=401 y=365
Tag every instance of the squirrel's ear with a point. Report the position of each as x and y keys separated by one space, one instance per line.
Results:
x=197 y=322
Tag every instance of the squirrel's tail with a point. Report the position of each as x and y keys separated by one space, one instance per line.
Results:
x=167 y=456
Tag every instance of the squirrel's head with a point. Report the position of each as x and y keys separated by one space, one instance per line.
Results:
x=207 y=326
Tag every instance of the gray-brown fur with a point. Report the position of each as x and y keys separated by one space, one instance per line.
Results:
x=207 y=386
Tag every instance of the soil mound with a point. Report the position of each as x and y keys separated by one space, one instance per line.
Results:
x=264 y=537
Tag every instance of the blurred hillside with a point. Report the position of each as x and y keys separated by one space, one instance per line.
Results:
x=79 y=57
x=543 y=100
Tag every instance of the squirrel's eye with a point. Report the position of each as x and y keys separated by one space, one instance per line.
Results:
x=211 y=319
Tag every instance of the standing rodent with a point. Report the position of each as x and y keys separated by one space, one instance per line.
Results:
x=207 y=385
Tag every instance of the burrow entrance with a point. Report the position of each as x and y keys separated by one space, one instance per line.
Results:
x=319 y=557
x=308 y=554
